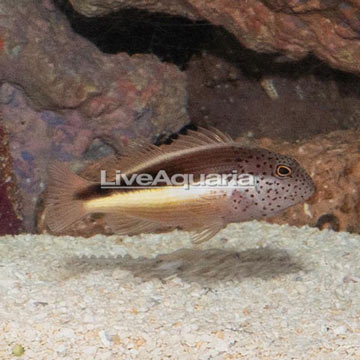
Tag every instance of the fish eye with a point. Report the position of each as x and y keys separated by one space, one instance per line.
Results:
x=283 y=170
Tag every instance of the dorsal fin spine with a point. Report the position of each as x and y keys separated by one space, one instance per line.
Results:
x=146 y=154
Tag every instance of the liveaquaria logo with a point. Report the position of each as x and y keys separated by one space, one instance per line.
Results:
x=144 y=180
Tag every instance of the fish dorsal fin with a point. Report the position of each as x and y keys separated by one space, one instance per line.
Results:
x=141 y=153
x=215 y=135
x=138 y=150
x=138 y=145
x=137 y=155
x=108 y=163
x=201 y=137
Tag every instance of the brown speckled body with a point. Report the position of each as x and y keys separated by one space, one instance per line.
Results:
x=277 y=183
x=272 y=193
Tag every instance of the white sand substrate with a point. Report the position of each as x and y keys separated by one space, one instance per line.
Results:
x=255 y=291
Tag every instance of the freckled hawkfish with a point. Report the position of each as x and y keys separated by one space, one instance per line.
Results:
x=275 y=182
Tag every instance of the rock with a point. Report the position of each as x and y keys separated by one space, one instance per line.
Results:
x=231 y=89
x=330 y=30
x=10 y=199
x=91 y=8
x=59 y=94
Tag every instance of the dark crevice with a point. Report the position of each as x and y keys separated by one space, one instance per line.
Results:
x=173 y=39
x=176 y=39
x=207 y=52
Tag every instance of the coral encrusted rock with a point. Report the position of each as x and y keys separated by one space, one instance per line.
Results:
x=295 y=28
x=10 y=199
x=60 y=94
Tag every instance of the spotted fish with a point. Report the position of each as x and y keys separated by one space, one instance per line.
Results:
x=275 y=182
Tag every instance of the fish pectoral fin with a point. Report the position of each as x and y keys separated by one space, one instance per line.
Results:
x=124 y=225
x=206 y=233
x=210 y=206
x=210 y=209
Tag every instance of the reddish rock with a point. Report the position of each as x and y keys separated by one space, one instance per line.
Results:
x=328 y=29
x=59 y=70
x=10 y=199
x=60 y=94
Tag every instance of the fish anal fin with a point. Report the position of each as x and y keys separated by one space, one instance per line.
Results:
x=124 y=225
x=62 y=210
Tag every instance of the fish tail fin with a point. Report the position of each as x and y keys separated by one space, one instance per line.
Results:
x=62 y=208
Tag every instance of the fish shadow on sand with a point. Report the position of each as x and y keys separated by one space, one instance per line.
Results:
x=195 y=265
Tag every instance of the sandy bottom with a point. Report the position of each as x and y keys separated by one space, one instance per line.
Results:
x=255 y=291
